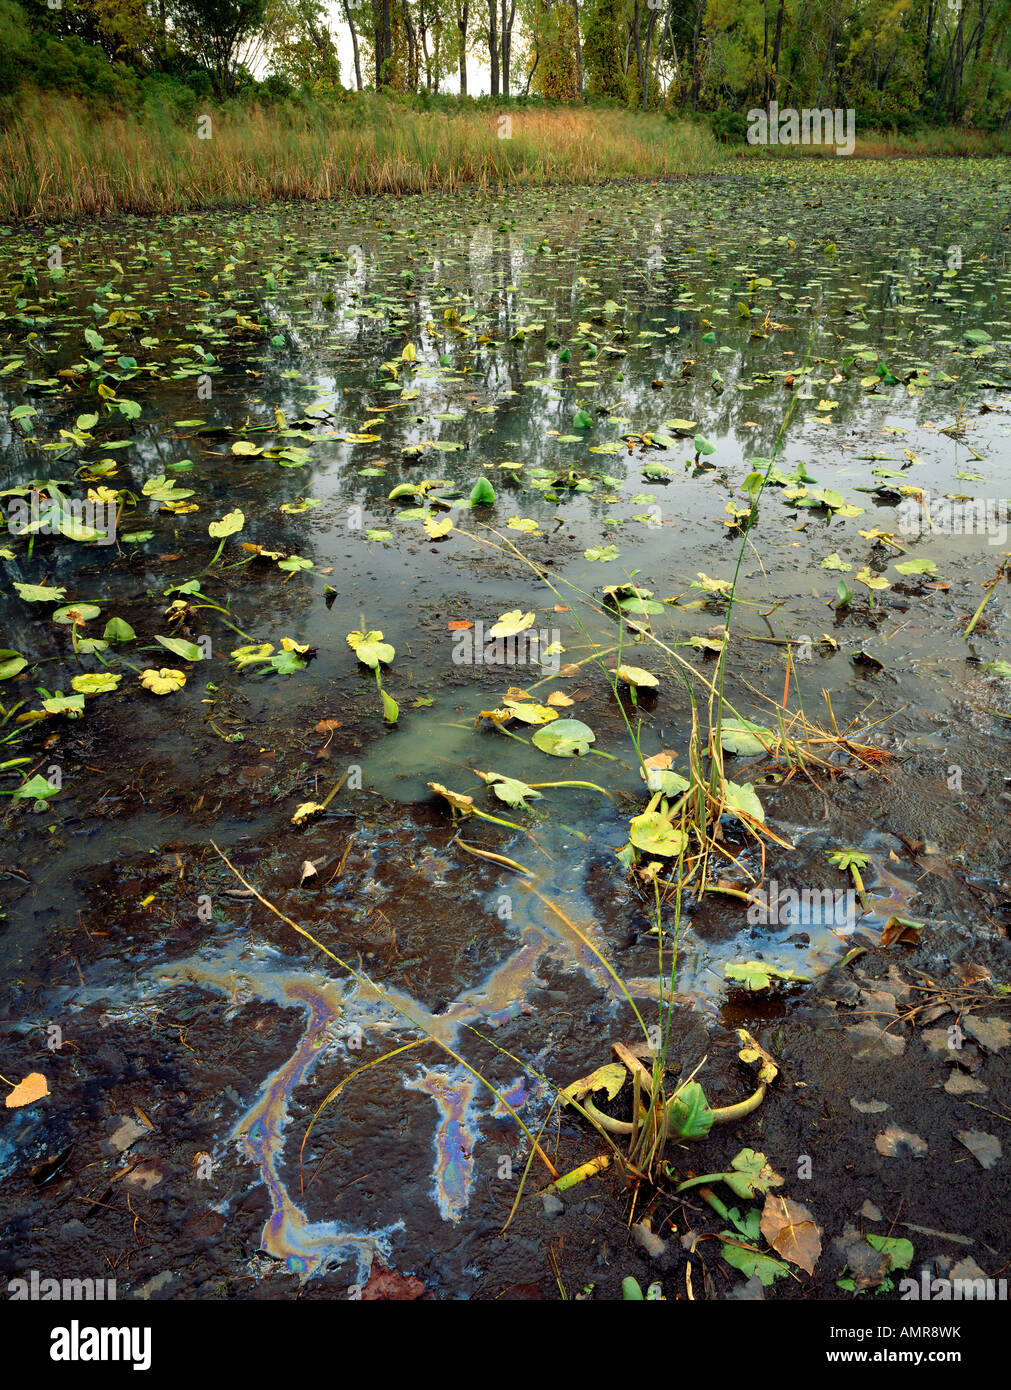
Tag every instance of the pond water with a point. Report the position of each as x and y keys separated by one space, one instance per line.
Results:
x=620 y=365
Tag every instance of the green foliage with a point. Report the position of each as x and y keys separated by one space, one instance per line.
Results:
x=729 y=126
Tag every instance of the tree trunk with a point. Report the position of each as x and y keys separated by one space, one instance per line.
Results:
x=412 y=47
x=666 y=38
x=696 y=55
x=354 y=45
x=461 y=24
x=645 y=59
x=774 y=75
x=579 y=52
x=765 y=49
x=508 y=18
x=383 y=42
x=493 y=45
x=638 y=45
x=829 y=58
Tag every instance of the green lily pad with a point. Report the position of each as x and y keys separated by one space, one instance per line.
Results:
x=564 y=738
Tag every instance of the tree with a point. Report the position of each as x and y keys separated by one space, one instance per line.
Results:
x=302 y=46
x=462 y=16
x=214 y=32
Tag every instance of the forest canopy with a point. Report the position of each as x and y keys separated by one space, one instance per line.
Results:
x=902 y=64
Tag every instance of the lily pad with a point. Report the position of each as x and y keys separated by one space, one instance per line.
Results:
x=565 y=738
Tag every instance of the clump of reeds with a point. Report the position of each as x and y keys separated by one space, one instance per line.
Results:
x=61 y=158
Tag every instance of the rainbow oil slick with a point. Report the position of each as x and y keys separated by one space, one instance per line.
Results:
x=455 y=1135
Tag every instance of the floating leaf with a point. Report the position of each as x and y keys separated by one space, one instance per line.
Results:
x=228 y=525
x=163 y=681
x=38 y=593
x=246 y=656
x=530 y=713
x=635 y=675
x=72 y=705
x=653 y=833
x=741 y=736
x=511 y=623
x=742 y=798
x=509 y=789
x=660 y=777
x=833 y=562
x=11 y=664
x=873 y=581
x=116 y=630
x=757 y=974
x=565 y=738
x=457 y=800
x=189 y=651
x=370 y=648
x=437 y=529
x=76 y=614
x=39 y=788
x=96 y=684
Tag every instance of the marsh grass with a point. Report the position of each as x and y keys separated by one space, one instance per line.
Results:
x=943 y=142
x=62 y=159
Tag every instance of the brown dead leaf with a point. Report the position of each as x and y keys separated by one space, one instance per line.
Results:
x=26 y=1092
x=993 y=1033
x=901 y=929
x=900 y=1143
x=958 y=1084
x=459 y=625
x=985 y=1148
x=142 y=1117
x=790 y=1230
x=325 y=726
x=562 y=608
x=146 y=1174
x=387 y=1285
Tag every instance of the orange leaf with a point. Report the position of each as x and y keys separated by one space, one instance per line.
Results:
x=33 y=1088
x=325 y=725
x=459 y=625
